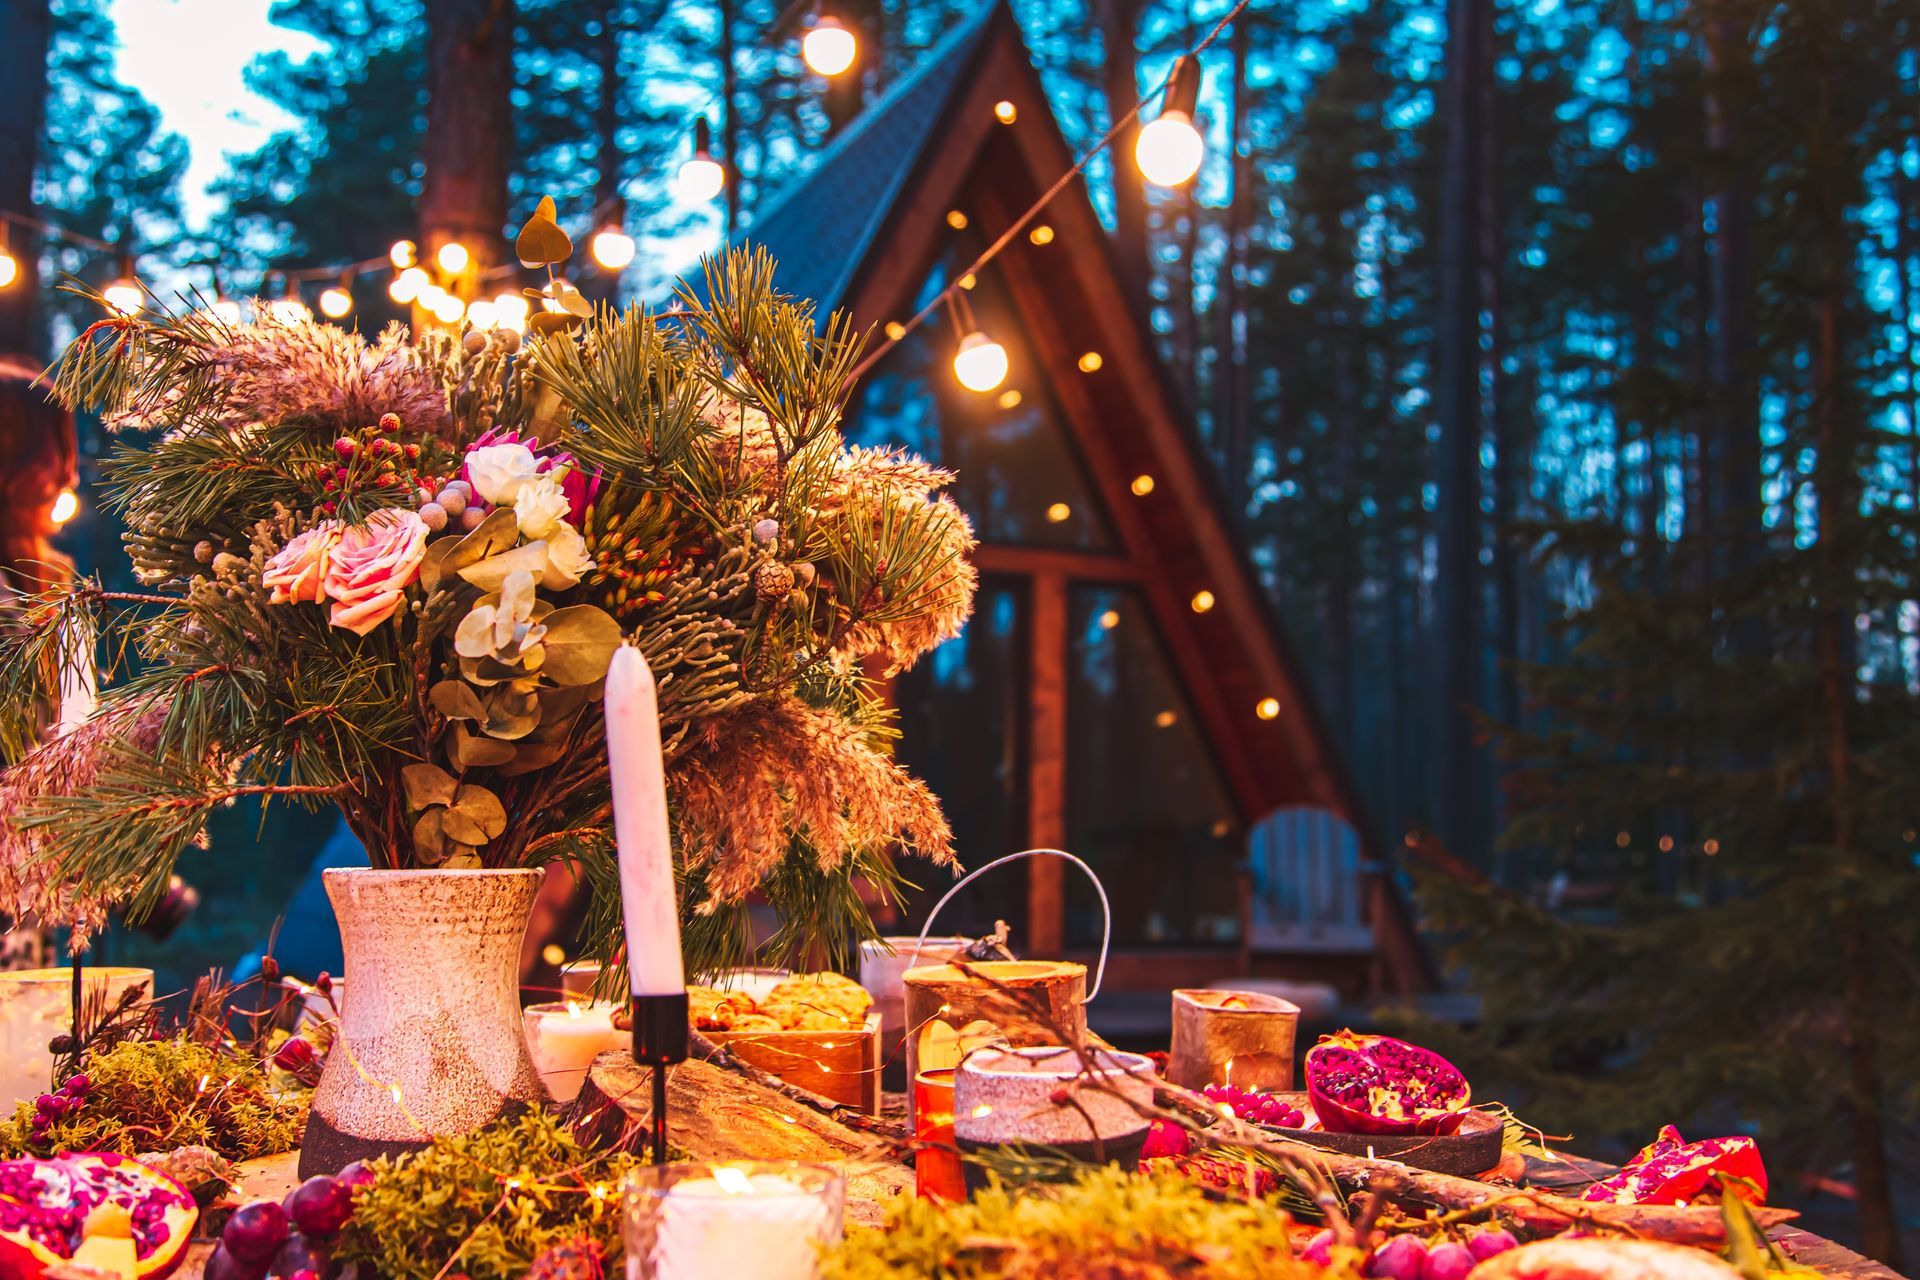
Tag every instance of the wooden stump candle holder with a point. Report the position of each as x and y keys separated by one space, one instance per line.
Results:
x=1243 y=1038
x=951 y=1011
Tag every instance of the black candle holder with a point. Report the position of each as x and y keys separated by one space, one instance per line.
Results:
x=659 y=1040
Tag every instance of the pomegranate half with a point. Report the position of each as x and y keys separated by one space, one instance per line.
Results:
x=105 y=1209
x=1376 y=1084
x=1671 y=1170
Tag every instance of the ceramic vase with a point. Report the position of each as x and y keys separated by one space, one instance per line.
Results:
x=431 y=1044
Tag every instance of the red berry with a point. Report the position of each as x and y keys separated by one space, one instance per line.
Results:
x=296 y=1054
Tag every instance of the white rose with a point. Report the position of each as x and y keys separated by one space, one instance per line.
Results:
x=497 y=471
x=567 y=558
x=539 y=507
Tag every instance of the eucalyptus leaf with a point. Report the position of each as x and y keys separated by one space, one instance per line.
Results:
x=456 y=700
x=429 y=837
x=473 y=638
x=427 y=785
x=529 y=755
x=511 y=714
x=541 y=242
x=497 y=533
x=580 y=643
x=544 y=322
x=469 y=750
x=491 y=573
x=475 y=816
x=433 y=563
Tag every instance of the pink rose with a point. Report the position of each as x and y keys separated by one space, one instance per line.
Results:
x=369 y=573
x=298 y=571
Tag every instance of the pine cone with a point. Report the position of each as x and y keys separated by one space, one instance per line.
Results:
x=575 y=1259
x=772 y=582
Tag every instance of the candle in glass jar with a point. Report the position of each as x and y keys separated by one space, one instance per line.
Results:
x=649 y=905
x=564 y=1038
x=739 y=1223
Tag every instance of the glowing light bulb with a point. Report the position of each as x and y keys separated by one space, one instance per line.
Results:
x=1166 y=719
x=829 y=48
x=289 y=311
x=980 y=363
x=483 y=315
x=404 y=254
x=1202 y=601
x=1059 y=513
x=701 y=179
x=1169 y=150
x=1110 y=619
x=335 y=302
x=431 y=295
x=65 y=507
x=957 y=219
x=1142 y=485
x=1267 y=708
x=453 y=257
x=1042 y=234
x=408 y=284
x=226 y=311
x=510 y=312
x=1010 y=398
x=1005 y=112
x=9 y=268
x=448 y=309
x=124 y=296
x=612 y=248
x=1091 y=362
x=895 y=331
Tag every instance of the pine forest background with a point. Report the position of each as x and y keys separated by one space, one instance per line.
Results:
x=1561 y=359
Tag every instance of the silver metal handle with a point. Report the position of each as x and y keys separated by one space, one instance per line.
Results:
x=1106 y=908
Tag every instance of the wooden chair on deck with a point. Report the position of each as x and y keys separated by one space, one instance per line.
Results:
x=1306 y=892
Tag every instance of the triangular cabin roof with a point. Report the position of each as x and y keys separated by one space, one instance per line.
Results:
x=860 y=233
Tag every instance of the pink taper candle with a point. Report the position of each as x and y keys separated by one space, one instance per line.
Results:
x=647 y=898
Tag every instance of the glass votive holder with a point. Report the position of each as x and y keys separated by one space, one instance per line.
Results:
x=36 y=1005
x=937 y=1171
x=577 y=978
x=563 y=1039
x=700 y=1221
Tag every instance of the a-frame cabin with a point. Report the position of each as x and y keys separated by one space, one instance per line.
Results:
x=1124 y=690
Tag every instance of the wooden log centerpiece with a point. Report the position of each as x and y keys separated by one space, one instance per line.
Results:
x=1242 y=1038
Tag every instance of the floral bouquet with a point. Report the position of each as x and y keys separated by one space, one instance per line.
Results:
x=389 y=576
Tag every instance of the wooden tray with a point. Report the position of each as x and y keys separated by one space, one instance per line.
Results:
x=841 y=1065
x=1470 y=1152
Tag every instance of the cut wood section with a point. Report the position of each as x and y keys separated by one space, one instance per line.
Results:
x=713 y=1114
x=840 y=1066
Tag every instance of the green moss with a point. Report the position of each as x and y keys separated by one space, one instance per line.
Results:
x=1104 y=1223
x=155 y=1095
x=454 y=1197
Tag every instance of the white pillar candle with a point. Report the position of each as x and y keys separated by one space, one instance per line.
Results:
x=563 y=1040
x=79 y=681
x=736 y=1223
x=648 y=902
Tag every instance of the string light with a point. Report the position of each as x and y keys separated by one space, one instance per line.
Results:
x=510 y=312
x=403 y=254
x=453 y=257
x=1267 y=708
x=448 y=309
x=483 y=315
x=1091 y=362
x=124 y=294
x=1169 y=149
x=1110 y=619
x=1166 y=720
x=337 y=302
x=1142 y=485
x=895 y=331
x=1059 y=513
x=829 y=48
x=1010 y=398
x=1202 y=601
x=9 y=265
x=226 y=311
x=408 y=285
x=1042 y=234
x=702 y=177
x=612 y=248
x=1005 y=112
x=956 y=219
x=980 y=363
x=65 y=507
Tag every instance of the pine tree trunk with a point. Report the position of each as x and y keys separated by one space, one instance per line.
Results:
x=610 y=208
x=1735 y=493
x=1119 y=28
x=23 y=106
x=729 y=112
x=1511 y=465
x=1458 y=406
x=469 y=130
x=1236 y=393
x=1839 y=494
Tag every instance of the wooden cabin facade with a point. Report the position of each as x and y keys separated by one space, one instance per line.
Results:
x=1124 y=690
